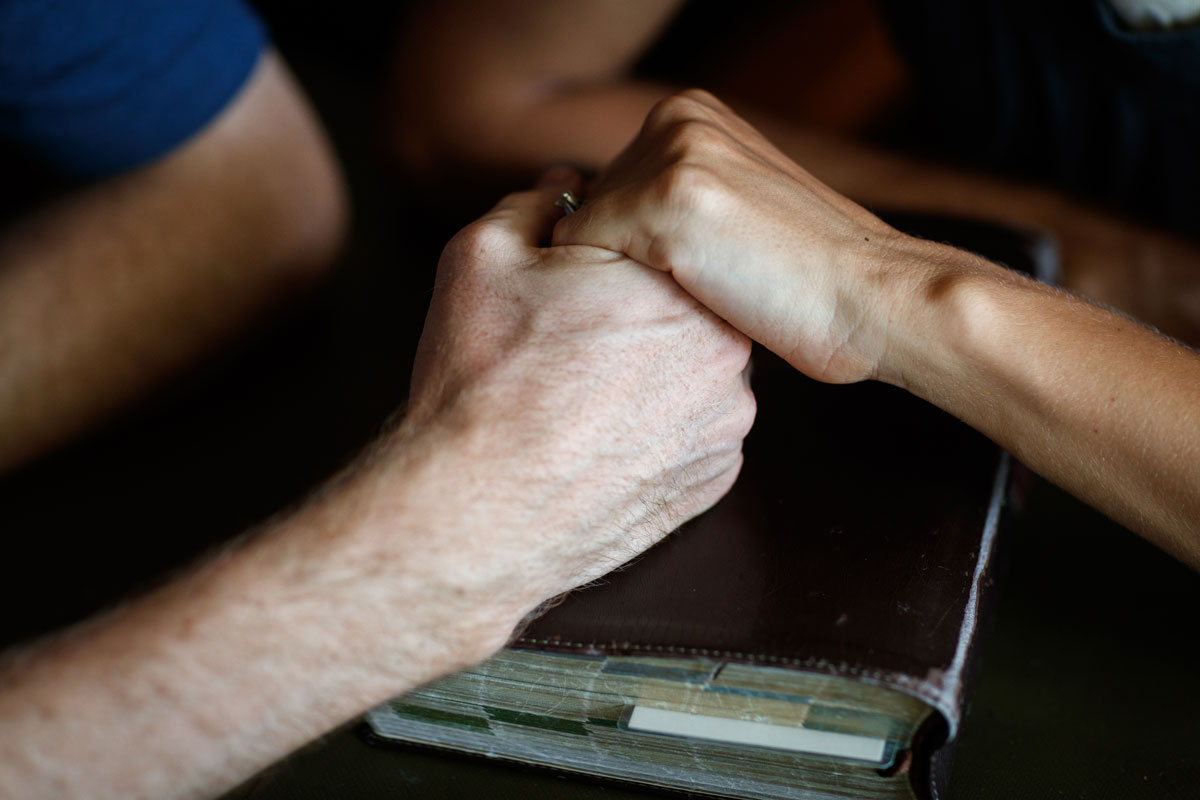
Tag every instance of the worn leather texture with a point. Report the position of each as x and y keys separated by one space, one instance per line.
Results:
x=848 y=544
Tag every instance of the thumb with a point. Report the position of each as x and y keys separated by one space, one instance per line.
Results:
x=610 y=221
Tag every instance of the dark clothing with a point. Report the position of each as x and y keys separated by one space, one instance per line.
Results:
x=1060 y=92
x=94 y=87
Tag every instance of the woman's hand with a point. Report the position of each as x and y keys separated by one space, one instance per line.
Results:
x=702 y=195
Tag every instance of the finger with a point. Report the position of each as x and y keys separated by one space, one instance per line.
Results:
x=529 y=216
x=560 y=176
x=609 y=221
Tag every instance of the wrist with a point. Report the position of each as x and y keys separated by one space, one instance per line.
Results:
x=393 y=561
x=937 y=303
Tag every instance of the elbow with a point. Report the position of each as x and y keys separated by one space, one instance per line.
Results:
x=312 y=223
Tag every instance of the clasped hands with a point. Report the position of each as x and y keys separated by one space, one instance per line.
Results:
x=601 y=383
x=571 y=405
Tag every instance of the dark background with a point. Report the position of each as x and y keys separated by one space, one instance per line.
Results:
x=1087 y=687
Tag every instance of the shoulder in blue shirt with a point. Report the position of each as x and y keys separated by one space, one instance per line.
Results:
x=101 y=86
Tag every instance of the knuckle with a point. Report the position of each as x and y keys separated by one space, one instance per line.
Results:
x=673 y=110
x=471 y=268
x=699 y=96
x=747 y=411
x=696 y=140
x=476 y=241
x=691 y=188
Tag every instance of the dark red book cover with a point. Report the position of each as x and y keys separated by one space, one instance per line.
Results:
x=859 y=541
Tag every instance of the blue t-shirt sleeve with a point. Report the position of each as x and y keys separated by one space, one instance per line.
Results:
x=100 y=86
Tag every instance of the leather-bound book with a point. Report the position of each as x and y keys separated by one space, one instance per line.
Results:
x=811 y=636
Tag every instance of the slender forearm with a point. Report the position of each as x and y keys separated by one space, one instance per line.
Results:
x=1093 y=401
x=197 y=686
x=521 y=132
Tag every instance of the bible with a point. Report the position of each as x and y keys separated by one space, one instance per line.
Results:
x=811 y=636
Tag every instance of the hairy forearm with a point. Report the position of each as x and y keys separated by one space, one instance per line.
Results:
x=107 y=291
x=363 y=593
x=1100 y=405
x=568 y=409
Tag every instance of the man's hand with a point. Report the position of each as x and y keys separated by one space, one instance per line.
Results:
x=569 y=408
x=784 y=258
x=603 y=405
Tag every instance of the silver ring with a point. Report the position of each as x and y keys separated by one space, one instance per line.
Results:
x=568 y=202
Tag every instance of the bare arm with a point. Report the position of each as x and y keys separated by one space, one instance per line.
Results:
x=108 y=291
x=1094 y=402
x=512 y=87
x=1105 y=408
x=192 y=689
x=1145 y=272
x=569 y=407
x=515 y=86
